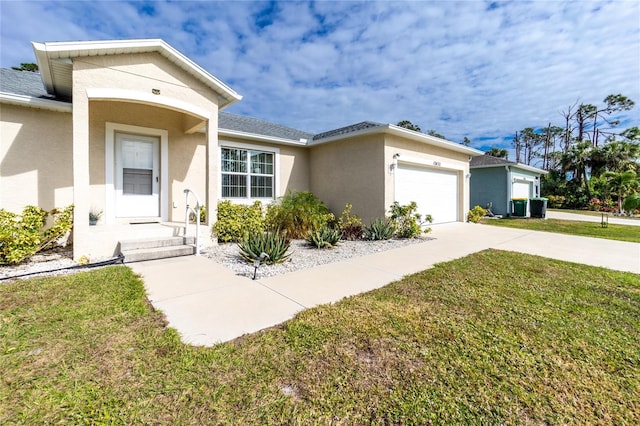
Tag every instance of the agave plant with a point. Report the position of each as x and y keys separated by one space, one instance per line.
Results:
x=274 y=244
x=380 y=229
x=325 y=237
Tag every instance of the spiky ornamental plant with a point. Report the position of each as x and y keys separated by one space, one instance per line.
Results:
x=274 y=244
x=380 y=229
x=325 y=237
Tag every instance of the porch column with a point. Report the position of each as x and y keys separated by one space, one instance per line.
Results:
x=81 y=193
x=213 y=170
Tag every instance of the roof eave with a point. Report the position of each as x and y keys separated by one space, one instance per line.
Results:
x=516 y=165
x=410 y=134
x=31 y=102
x=259 y=138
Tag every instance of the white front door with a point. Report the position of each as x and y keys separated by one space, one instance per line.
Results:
x=137 y=175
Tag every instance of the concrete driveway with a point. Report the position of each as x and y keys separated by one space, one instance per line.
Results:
x=617 y=220
x=208 y=304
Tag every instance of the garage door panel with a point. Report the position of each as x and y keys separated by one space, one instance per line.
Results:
x=435 y=191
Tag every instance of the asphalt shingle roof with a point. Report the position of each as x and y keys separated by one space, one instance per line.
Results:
x=30 y=84
x=257 y=126
x=347 y=129
x=488 y=160
x=24 y=83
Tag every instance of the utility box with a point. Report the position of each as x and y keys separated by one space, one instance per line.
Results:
x=519 y=207
x=539 y=207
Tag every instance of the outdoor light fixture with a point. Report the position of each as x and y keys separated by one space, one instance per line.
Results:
x=394 y=165
x=257 y=262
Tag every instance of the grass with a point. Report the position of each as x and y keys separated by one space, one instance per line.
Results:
x=493 y=338
x=585 y=229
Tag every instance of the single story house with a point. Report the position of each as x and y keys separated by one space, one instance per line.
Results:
x=498 y=181
x=125 y=127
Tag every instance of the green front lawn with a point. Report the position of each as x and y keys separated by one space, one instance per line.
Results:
x=573 y=227
x=494 y=338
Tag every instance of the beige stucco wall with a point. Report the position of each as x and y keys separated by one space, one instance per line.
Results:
x=182 y=103
x=350 y=171
x=425 y=155
x=35 y=158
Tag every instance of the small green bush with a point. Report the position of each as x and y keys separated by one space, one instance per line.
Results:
x=22 y=236
x=380 y=229
x=273 y=244
x=556 y=201
x=236 y=221
x=325 y=237
x=631 y=203
x=297 y=213
x=203 y=215
x=351 y=227
x=475 y=214
x=407 y=221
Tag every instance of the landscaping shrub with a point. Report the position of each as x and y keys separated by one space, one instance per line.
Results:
x=351 y=227
x=631 y=203
x=297 y=213
x=380 y=229
x=273 y=244
x=236 y=221
x=556 y=201
x=475 y=214
x=203 y=215
x=22 y=236
x=406 y=220
x=325 y=237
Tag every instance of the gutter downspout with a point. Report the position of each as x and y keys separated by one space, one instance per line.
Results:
x=508 y=172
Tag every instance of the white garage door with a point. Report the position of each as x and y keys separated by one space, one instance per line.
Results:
x=521 y=189
x=435 y=191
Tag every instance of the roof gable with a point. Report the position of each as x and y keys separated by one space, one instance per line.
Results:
x=55 y=63
x=487 y=161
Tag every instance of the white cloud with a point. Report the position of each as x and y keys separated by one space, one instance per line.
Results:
x=461 y=68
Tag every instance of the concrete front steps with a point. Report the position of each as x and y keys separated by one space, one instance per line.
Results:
x=156 y=248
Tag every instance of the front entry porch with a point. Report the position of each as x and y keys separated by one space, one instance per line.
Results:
x=144 y=241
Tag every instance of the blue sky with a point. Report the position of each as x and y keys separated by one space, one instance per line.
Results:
x=463 y=68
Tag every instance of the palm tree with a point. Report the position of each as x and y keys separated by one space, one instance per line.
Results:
x=616 y=156
x=622 y=184
x=577 y=160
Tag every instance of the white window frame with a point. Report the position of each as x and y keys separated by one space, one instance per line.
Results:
x=257 y=148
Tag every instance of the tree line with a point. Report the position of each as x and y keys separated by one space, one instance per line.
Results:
x=592 y=162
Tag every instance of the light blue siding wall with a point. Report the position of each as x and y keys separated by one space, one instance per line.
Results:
x=489 y=185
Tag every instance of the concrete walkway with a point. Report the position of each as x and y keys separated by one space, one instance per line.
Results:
x=208 y=303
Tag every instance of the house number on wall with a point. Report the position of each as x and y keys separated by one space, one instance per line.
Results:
x=437 y=163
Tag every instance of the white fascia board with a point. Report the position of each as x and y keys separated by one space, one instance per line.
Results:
x=513 y=165
x=530 y=168
x=31 y=102
x=259 y=138
x=46 y=52
x=405 y=133
x=432 y=140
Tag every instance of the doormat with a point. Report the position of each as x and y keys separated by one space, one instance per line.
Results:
x=144 y=222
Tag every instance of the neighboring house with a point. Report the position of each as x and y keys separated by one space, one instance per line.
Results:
x=126 y=126
x=497 y=181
